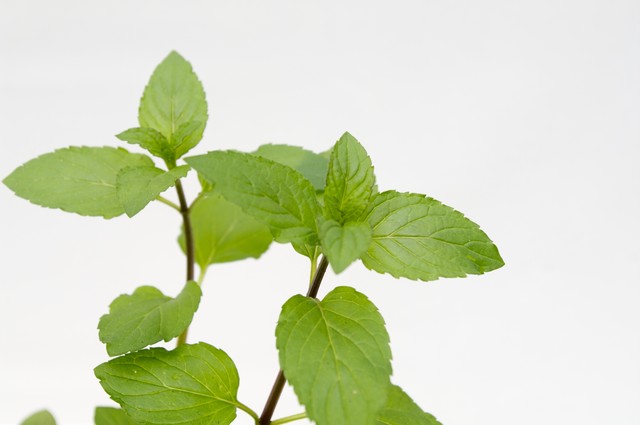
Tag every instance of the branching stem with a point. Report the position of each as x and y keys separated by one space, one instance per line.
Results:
x=278 y=385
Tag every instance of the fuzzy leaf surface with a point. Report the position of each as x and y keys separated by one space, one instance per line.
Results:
x=272 y=193
x=137 y=186
x=222 y=232
x=174 y=104
x=42 y=417
x=147 y=316
x=310 y=164
x=80 y=180
x=151 y=140
x=335 y=353
x=192 y=384
x=417 y=237
x=344 y=243
x=350 y=180
x=112 y=416
x=400 y=409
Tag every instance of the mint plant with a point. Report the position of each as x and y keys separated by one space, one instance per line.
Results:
x=333 y=351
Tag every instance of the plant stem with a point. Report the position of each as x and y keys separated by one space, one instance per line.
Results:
x=278 y=385
x=188 y=241
x=248 y=411
x=289 y=419
x=317 y=279
x=169 y=203
x=272 y=401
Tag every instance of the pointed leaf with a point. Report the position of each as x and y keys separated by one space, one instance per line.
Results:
x=272 y=193
x=350 y=180
x=81 y=180
x=401 y=410
x=335 y=353
x=311 y=165
x=419 y=238
x=147 y=316
x=43 y=417
x=151 y=140
x=137 y=186
x=112 y=416
x=223 y=233
x=193 y=384
x=172 y=102
x=344 y=244
x=186 y=136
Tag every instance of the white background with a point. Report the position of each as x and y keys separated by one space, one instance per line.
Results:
x=523 y=115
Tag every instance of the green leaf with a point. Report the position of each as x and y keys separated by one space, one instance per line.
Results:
x=419 y=238
x=147 y=316
x=43 y=417
x=186 y=136
x=311 y=165
x=272 y=193
x=401 y=410
x=174 y=104
x=326 y=154
x=151 y=140
x=310 y=251
x=193 y=384
x=335 y=353
x=112 y=416
x=350 y=180
x=81 y=180
x=223 y=233
x=137 y=186
x=344 y=243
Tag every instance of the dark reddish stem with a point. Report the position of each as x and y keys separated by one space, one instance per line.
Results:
x=278 y=385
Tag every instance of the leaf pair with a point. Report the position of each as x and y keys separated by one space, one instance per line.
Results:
x=334 y=352
x=108 y=182
x=285 y=200
x=404 y=234
x=336 y=355
x=173 y=111
x=93 y=181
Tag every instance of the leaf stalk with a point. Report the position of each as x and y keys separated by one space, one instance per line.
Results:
x=169 y=203
x=288 y=419
x=278 y=385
